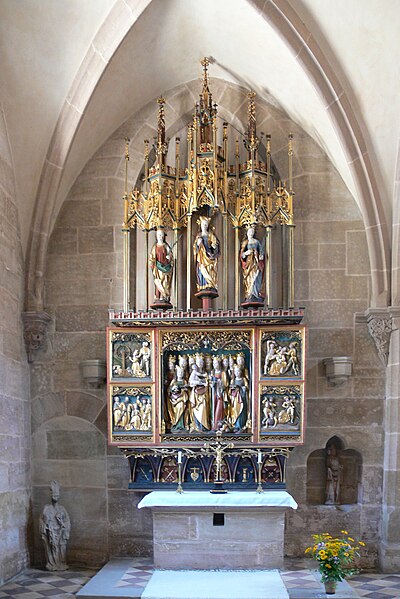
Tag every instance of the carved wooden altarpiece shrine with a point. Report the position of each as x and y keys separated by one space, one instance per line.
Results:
x=225 y=370
x=247 y=384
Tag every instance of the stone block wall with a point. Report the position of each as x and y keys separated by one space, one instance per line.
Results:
x=83 y=279
x=14 y=381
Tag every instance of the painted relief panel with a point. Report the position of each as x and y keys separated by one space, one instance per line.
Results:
x=131 y=413
x=281 y=412
x=131 y=355
x=206 y=383
x=282 y=354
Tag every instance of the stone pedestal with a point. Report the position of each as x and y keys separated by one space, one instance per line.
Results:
x=201 y=531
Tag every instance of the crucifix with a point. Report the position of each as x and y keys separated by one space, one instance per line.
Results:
x=218 y=448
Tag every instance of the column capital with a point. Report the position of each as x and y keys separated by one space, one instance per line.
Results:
x=35 y=331
x=380 y=323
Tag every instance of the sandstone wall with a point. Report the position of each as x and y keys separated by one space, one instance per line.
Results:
x=83 y=279
x=14 y=386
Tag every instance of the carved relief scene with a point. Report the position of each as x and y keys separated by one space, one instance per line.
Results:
x=131 y=355
x=132 y=410
x=206 y=382
x=281 y=354
x=281 y=411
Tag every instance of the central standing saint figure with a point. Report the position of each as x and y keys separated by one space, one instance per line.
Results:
x=252 y=261
x=162 y=263
x=206 y=253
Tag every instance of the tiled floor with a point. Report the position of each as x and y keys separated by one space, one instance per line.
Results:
x=299 y=580
x=35 y=584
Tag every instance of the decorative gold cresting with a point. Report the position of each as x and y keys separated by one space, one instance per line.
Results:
x=243 y=189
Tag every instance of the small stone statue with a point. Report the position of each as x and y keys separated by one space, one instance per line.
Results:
x=55 y=527
x=333 y=476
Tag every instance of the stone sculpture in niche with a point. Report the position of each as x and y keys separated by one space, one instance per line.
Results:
x=333 y=475
x=55 y=527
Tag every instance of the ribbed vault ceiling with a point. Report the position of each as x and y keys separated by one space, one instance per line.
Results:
x=43 y=45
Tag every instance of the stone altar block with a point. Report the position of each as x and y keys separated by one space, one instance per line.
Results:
x=199 y=530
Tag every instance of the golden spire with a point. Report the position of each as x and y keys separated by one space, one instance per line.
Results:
x=252 y=140
x=205 y=110
x=205 y=62
x=161 y=147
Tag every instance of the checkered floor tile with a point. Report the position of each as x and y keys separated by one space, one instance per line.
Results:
x=377 y=586
x=138 y=575
x=36 y=584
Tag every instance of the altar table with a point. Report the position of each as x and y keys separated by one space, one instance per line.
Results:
x=205 y=531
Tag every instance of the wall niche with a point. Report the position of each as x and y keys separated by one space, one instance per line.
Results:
x=334 y=475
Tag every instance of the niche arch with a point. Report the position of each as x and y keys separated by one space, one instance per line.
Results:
x=347 y=467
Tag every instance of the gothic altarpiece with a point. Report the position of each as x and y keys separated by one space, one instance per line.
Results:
x=207 y=382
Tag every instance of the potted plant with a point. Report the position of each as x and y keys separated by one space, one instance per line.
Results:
x=334 y=556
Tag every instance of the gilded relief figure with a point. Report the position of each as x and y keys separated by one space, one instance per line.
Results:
x=239 y=400
x=200 y=415
x=55 y=527
x=144 y=357
x=206 y=251
x=162 y=264
x=131 y=414
x=270 y=418
x=269 y=356
x=177 y=406
x=252 y=260
x=218 y=391
x=135 y=369
x=288 y=412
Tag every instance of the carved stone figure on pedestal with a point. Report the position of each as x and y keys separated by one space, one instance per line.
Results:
x=161 y=263
x=333 y=476
x=206 y=252
x=55 y=527
x=252 y=263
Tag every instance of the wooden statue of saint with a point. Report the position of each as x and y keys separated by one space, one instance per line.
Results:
x=162 y=266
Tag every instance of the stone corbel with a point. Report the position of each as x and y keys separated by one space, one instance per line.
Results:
x=379 y=323
x=35 y=330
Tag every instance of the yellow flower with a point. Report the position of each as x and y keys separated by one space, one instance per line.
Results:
x=350 y=539
x=344 y=532
x=346 y=554
x=328 y=566
x=361 y=543
x=322 y=554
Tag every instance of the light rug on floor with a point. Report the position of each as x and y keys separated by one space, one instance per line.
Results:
x=201 y=584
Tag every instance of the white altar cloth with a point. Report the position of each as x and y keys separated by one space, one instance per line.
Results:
x=200 y=499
